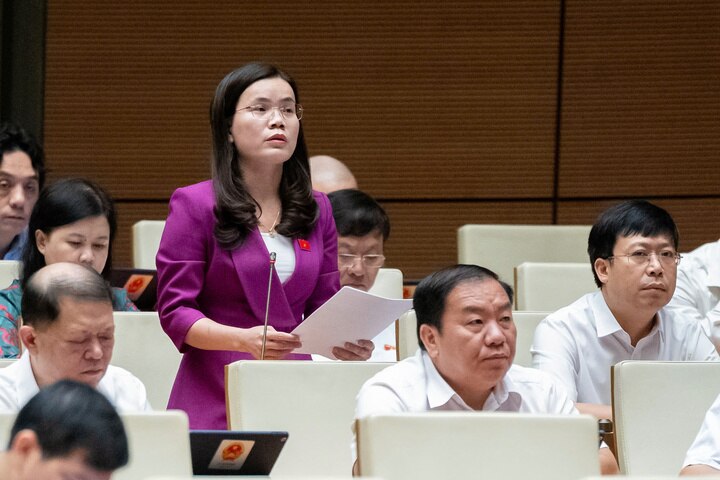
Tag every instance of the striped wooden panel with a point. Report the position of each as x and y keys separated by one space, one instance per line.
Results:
x=425 y=99
x=423 y=237
x=697 y=219
x=641 y=99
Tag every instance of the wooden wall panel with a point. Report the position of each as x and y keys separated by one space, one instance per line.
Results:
x=423 y=235
x=641 y=99
x=422 y=99
x=697 y=219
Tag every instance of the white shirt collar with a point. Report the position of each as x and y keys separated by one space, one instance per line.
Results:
x=606 y=324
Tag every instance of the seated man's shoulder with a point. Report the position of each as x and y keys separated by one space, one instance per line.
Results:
x=125 y=390
x=406 y=372
x=530 y=377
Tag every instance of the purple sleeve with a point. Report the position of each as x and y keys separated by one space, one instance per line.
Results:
x=328 y=282
x=180 y=263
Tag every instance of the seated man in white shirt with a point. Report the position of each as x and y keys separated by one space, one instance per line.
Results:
x=363 y=227
x=633 y=251
x=68 y=430
x=467 y=344
x=697 y=294
x=68 y=333
x=703 y=457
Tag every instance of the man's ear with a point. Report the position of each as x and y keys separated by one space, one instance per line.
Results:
x=28 y=335
x=25 y=442
x=429 y=336
x=601 y=269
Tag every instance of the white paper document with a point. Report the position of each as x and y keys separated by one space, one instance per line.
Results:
x=350 y=315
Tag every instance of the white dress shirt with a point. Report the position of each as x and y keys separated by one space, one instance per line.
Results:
x=17 y=386
x=697 y=294
x=579 y=343
x=705 y=450
x=415 y=385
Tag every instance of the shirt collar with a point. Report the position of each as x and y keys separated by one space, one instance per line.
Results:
x=439 y=393
x=27 y=386
x=713 y=268
x=606 y=324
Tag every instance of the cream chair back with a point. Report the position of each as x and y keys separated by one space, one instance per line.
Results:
x=550 y=286
x=146 y=241
x=388 y=284
x=407 y=335
x=525 y=323
x=6 y=362
x=143 y=348
x=434 y=445
x=159 y=444
x=503 y=247
x=9 y=271
x=313 y=401
x=658 y=408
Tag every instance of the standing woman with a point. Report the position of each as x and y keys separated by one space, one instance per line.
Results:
x=214 y=261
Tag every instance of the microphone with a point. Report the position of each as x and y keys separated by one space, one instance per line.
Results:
x=273 y=255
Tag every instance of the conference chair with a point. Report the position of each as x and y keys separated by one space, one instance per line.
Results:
x=313 y=401
x=502 y=247
x=159 y=444
x=146 y=241
x=438 y=445
x=525 y=323
x=658 y=408
x=6 y=362
x=9 y=271
x=388 y=284
x=143 y=348
x=550 y=286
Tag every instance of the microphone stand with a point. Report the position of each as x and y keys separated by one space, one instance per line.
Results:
x=273 y=255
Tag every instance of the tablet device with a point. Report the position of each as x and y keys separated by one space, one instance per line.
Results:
x=140 y=284
x=223 y=452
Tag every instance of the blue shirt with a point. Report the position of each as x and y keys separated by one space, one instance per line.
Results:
x=16 y=246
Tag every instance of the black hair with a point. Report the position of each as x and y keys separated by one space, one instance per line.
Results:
x=234 y=206
x=62 y=203
x=626 y=219
x=40 y=304
x=357 y=214
x=68 y=417
x=433 y=290
x=14 y=138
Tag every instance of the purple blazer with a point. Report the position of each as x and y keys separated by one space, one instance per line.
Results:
x=197 y=278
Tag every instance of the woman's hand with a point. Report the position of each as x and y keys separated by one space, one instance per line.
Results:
x=354 y=351
x=277 y=346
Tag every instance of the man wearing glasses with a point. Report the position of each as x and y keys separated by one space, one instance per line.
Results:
x=362 y=228
x=633 y=251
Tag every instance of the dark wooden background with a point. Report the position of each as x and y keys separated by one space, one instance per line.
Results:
x=453 y=112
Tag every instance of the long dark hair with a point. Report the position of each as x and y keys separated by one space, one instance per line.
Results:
x=234 y=206
x=62 y=203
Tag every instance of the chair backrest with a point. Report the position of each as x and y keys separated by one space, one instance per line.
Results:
x=407 y=335
x=658 y=408
x=388 y=284
x=159 y=444
x=525 y=323
x=503 y=247
x=313 y=401
x=9 y=271
x=143 y=348
x=146 y=241
x=435 y=445
x=550 y=286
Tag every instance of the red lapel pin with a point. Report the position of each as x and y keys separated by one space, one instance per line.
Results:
x=304 y=244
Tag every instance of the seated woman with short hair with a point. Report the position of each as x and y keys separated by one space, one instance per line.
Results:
x=72 y=221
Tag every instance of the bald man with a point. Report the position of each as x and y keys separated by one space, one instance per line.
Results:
x=329 y=174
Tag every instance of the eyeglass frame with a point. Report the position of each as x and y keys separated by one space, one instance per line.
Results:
x=647 y=256
x=355 y=258
x=299 y=110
